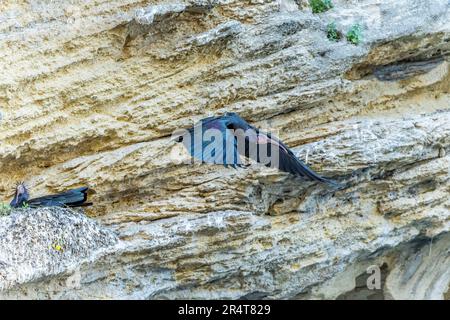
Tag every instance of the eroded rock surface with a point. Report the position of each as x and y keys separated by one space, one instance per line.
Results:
x=48 y=241
x=92 y=90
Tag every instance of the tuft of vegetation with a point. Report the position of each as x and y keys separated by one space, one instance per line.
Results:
x=319 y=6
x=58 y=245
x=354 y=35
x=333 y=34
x=5 y=209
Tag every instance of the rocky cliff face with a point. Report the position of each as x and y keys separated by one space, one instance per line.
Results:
x=92 y=90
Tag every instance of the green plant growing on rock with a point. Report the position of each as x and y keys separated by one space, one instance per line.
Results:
x=354 y=35
x=5 y=209
x=319 y=6
x=58 y=245
x=333 y=34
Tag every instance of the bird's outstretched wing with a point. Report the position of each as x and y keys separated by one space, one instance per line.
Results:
x=71 y=198
x=221 y=140
x=210 y=141
x=284 y=159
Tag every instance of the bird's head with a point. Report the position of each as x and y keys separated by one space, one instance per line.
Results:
x=20 y=195
x=179 y=135
x=235 y=122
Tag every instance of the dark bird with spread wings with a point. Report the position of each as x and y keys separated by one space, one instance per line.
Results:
x=222 y=139
x=71 y=198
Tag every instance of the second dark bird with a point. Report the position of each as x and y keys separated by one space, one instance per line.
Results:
x=70 y=198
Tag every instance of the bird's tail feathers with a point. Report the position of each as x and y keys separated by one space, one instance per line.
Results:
x=306 y=171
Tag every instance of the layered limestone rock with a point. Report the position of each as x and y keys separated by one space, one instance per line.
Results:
x=36 y=243
x=92 y=90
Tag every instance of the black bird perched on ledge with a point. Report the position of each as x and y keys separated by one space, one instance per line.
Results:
x=238 y=137
x=71 y=198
